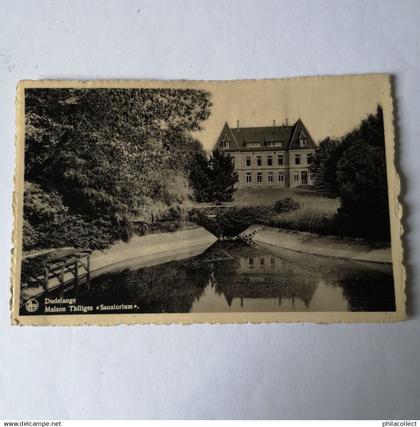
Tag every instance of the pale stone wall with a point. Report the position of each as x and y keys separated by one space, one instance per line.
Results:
x=296 y=176
x=284 y=173
x=332 y=246
x=151 y=249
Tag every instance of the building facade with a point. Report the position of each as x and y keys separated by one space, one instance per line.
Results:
x=269 y=156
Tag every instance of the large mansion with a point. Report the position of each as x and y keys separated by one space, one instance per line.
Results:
x=269 y=156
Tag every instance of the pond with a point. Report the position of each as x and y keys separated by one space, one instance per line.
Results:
x=236 y=277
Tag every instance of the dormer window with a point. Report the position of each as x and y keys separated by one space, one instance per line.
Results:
x=253 y=145
x=225 y=144
x=274 y=144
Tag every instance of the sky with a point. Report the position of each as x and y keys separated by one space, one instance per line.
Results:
x=327 y=106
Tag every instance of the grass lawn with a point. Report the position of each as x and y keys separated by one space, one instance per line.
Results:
x=315 y=213
x=311 y=202
x=264 y=196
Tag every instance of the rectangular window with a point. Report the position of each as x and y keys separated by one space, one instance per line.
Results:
x=259 y=177
x=251 y=262
x=280 y=160
x=259 y=162
x=248 y=177
x=225 y=144
x=281 y=177
x=253 y=145
x=302 y=142
x=297 y=159
x=270 y=177
x=309 y=159
x=296 y=176
x=233 y=160
x=262 y=261
x=269 y=160
x=248 y=160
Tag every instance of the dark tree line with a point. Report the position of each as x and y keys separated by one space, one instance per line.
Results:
x=353 y=168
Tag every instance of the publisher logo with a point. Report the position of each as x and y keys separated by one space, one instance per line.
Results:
x=32 y=305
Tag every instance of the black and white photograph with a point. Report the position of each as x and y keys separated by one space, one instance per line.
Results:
x=210 y=213
x=207 y=198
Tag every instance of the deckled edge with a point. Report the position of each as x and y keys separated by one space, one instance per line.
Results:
x=401 y=262
x=92 y=320
x=17 y=202
x=142 y=83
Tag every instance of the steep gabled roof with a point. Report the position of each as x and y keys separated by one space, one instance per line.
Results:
x=227 y=131
x=287 y=135
x=263 y=135
x=298 y=132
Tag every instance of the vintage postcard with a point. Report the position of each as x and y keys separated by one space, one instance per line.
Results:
x=207 y=201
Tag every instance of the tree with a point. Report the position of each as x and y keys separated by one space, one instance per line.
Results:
x=355 y=170
x=199 y=177
x=98 y=151
x=361 y=175
x=324 y=167
x=223 y=177
x=212 y=178
x=362 y=180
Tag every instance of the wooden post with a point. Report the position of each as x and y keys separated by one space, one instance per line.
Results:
x=46 y=274
x=62 y=281
x=88 y=272
x=76 y=276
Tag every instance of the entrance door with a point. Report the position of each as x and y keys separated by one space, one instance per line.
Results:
x=304 y=177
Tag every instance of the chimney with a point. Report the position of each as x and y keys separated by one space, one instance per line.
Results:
x=237 y=124
x=274 y=123
x=287 y=122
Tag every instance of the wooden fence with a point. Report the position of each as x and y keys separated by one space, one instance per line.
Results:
x=60 y=270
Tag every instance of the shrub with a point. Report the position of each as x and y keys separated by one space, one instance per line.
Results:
x=286 y=205
x=210 y=224
x=230 y=222
x=306 y=221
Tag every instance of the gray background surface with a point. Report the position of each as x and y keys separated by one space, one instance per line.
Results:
x=234 y=371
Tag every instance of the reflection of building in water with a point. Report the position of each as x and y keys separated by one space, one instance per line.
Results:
x=266 y=276
x=260 y=263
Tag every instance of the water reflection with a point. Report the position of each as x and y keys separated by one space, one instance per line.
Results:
x=236 y=277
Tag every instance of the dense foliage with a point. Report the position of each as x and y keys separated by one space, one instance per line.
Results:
x=324 y=167
x=213 y=179
x=233 y=221
x=286 y=205
x=95 y=159
x=354 y=169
